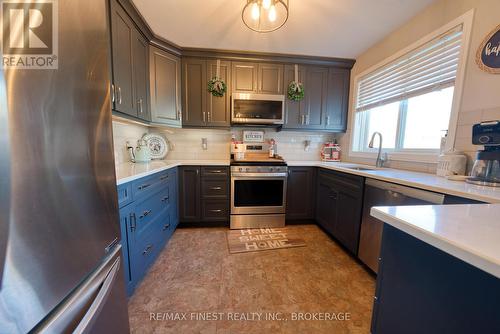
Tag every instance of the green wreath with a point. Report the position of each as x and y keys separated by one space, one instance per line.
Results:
x=295 y=91
x=217 y=87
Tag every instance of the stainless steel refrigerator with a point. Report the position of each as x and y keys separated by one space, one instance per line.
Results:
x=60 y=257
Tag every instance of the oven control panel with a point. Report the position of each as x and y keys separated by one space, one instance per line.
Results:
x=259 y=169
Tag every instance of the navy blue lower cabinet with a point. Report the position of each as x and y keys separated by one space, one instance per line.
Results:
x=147 y=222
x=421 y=289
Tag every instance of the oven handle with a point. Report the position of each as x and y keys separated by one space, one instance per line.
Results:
x=260 y=175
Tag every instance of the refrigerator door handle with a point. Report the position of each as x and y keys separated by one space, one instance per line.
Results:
x=5 y=172
x=88 y=299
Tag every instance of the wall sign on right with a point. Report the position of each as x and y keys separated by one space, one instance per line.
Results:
x=488 y=54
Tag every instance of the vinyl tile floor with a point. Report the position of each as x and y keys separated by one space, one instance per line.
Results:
x=196 y=286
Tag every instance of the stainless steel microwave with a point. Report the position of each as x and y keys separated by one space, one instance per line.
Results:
x=262 y=109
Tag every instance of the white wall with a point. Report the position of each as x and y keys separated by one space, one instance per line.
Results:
x=481 y=91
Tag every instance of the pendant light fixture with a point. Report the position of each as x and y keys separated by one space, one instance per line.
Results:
x=265 y=15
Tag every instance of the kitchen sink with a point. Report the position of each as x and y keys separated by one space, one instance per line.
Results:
x=356 y=167
x=361 y=168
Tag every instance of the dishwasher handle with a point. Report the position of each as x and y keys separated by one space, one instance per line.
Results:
x=423 y=195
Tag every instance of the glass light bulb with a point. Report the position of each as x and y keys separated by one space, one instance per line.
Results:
x=266 y=4
x=272 y=13
x=255 y=11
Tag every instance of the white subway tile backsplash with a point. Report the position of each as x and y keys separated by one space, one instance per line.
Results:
x=185 y=144
x=492 y=114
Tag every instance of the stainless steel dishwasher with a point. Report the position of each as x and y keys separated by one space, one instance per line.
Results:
x=379 y=193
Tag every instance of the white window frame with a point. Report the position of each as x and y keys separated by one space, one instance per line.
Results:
x=420 y=155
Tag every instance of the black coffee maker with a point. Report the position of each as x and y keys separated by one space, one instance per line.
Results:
x=486 y=169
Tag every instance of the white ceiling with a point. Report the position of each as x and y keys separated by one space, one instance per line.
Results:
x=332 y=28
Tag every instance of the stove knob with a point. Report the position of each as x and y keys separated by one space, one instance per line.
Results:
x=484 y=139
x=247 y=170
x=241 y=169
x=271 y=169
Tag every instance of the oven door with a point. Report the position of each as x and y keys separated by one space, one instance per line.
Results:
x=258 y=193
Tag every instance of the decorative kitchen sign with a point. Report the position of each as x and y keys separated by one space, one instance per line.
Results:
x=253 y=136
x=488 y=54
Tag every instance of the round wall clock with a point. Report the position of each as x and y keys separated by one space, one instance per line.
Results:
x=158 y=145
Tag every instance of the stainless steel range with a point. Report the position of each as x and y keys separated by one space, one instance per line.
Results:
x=258 y=193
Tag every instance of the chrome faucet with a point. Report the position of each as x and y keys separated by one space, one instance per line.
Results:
x=380 y=159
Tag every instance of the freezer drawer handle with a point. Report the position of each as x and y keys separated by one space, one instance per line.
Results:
x=96 y=307
x=94 y=292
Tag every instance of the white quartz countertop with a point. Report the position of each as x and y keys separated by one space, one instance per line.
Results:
x=468 y=232
x=129 y=171
x=425 y=181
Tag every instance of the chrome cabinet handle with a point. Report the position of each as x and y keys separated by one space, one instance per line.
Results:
x=119 y=95
x=327 y=120
x=147 y=249
x=216 y=188
x=133 y=222
x=307 y=119
x=113 y=93
x=302 y=119
x=144 y=186
x=217 y=171
x=145 y=214
x=139 y=102
x=216 y=210
x=165 y=227
x=179 y=114
x=204 y=116
x=164 y=177
x=164 y=199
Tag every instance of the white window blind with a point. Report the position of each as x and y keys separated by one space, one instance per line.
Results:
x=432 y=66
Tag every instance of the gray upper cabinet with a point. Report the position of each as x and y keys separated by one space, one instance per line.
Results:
x=270 y=79
x=122 y=35
x=257 y=78
x=316 y=97
x=325 y=102
x=130 y=66
x=338 y=99
x=165 y=86
x=194 y=87
x=245 y=77
x=201 y=108
x=219 y=108
x=140 y=47
x=295 y=111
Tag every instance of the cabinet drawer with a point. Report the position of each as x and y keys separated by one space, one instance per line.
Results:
x=165 y=227
x=215 y=172
x=144 y=251
x=150 y=208
x=150 y=184
x=214 y=188
x=213 y=210
x=124 y=194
